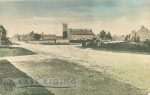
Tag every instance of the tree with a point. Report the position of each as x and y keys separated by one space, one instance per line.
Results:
x=4 y=38
x=137 y=39
x=37 y=36
x=127 y=38
x=4 y=33
x=102 y=34
x=108 y=36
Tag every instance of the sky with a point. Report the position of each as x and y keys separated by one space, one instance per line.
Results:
x=116 y=16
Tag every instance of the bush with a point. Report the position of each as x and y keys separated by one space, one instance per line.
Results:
x=6 y=42
x=124 y=46
x=147 y=43
x=92 y=44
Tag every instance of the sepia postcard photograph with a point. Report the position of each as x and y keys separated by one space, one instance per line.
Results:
x=74 y=47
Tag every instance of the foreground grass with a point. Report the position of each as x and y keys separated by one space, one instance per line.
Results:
x=92 y=82
x=7 y=70
x=14 y=51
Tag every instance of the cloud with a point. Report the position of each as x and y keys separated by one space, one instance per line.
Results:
x=84 y=9
x=91 y=13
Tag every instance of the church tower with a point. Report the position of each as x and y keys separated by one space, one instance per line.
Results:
x=65 y=30
x=65 y=26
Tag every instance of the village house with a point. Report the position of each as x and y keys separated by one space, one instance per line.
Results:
x=27 y=37
x=118 y=37
x=77 y=35
x=59 y=37
x=48 y=37
x=35 y=37
x=60 y=40
x=143 y=34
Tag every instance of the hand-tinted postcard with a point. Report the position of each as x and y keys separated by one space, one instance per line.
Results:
x=74 y=47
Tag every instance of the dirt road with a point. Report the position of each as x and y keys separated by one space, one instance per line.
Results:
x=129 y=68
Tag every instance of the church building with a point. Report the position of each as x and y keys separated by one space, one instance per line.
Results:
x=77 y=35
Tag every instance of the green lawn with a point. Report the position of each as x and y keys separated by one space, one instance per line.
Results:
x=14 y=51
x=7 y=70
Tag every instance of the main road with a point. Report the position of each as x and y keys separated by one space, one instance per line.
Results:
x=129 y=68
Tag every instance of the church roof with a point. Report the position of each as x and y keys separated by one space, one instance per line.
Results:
x=81 y=32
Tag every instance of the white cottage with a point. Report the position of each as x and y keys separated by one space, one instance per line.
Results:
x=143 y=34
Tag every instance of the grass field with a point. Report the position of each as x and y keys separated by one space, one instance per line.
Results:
x=7 y=70
x=14 y=51
x=92 y=82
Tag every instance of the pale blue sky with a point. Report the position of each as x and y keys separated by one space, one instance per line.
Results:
x=95 y=14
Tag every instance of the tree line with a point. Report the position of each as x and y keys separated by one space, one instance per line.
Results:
x=105 y=35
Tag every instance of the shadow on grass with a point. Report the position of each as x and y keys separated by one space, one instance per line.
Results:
x=8 y=75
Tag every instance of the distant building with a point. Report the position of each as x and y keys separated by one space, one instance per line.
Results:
x=143 y=34
x=59 y=37
x=27 y=37
x=48 y=37
x=77 y=35
x=16 y=37
x=118 y=38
